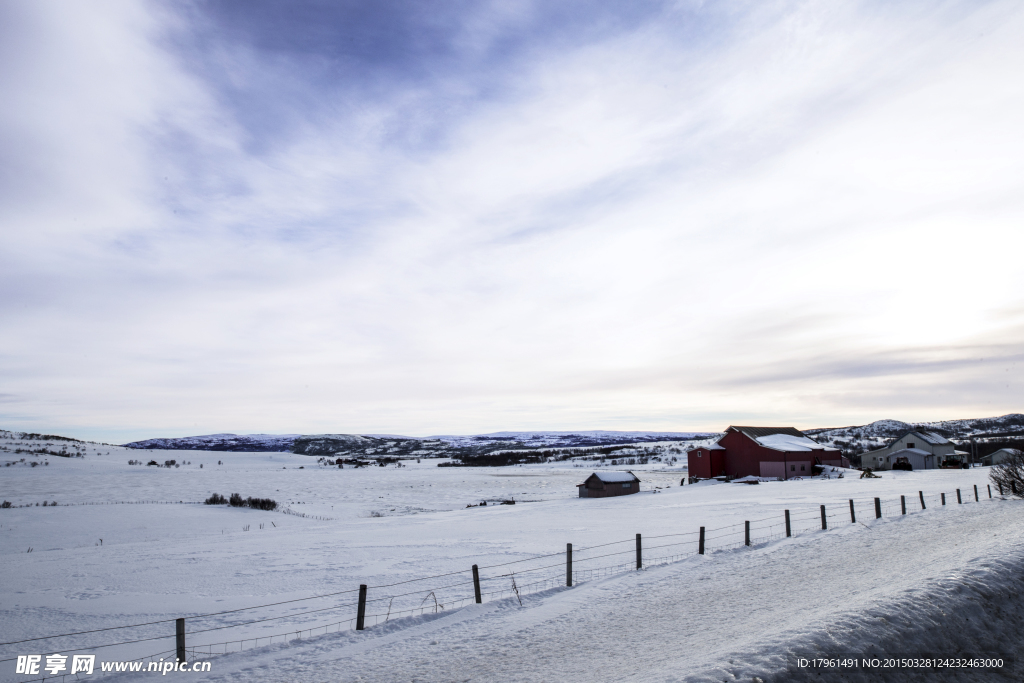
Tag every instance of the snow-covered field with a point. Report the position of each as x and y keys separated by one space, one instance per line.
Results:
x=735 y=610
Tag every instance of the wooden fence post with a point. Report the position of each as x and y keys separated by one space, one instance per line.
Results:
x=1000 y=488
x=878 y=508
x=700 y=543
x=1013 y=487
x=853 y=513
x=959 y=501
x=476 y=585
x=179 y=633
x=789 y=531
x=746 y=533
x=903 y=504
x=921 y=495
x=824 y=524
x=943 y=498
x=976 y=500
x=639 y=554
x=361 y=612
x=990 y=490
x=568 y=564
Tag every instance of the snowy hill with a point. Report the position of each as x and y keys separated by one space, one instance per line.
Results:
x=989 y=432
x=250 y=443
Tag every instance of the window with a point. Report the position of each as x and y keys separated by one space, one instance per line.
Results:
x=626 y=485
x=802 y=468
x=698 y=454
x=792 y=468
x=910 y=444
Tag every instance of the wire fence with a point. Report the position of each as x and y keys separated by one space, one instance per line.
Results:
x=502 y=581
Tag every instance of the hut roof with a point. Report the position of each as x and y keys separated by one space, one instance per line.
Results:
x=615 y=477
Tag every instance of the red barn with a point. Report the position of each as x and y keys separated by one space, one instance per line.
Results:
x=778 y=452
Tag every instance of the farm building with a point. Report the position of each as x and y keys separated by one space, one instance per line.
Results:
x=1000 y=457
x=707 y=462
x=930 y=442
x=606 y=484
x=778 y=452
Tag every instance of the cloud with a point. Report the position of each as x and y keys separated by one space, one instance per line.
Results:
x=372 y=219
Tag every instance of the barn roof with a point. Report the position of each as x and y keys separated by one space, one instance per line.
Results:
x=757 y=432
x=615 y=477
x=786 y=442
x=786 y=439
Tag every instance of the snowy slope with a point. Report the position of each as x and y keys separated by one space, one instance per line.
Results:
x=734 y=615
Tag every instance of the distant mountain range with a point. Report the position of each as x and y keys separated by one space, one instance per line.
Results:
x=853 y=440
x=322 y=444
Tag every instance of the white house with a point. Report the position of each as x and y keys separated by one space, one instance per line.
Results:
x=914 y=440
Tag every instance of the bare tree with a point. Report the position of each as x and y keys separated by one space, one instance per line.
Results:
x=1009 y=477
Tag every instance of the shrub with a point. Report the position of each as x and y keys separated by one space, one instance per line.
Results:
x=152 y=463
x=6 y=504
x=1009 y=477
x=237 y=501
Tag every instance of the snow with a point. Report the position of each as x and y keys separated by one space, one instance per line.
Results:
x=615 y=477
x=786 y=442
x=742 y=615
x=735 y=611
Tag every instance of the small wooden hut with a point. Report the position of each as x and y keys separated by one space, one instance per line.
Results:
x=606 y=484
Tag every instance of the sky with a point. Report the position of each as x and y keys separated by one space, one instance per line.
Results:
x=462 y=217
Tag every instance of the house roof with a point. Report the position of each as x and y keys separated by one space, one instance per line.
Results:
x=928 y=437
x=614 y=477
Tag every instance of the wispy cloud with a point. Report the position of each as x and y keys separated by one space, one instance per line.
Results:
x=352 y=217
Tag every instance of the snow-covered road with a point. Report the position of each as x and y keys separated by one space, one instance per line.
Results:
x=942 y=582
